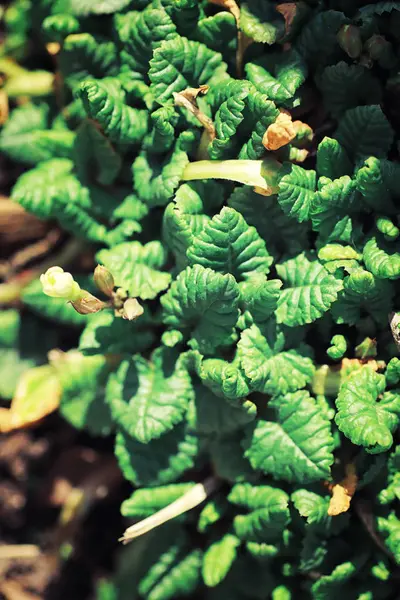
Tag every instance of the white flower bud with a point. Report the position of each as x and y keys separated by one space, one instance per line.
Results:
x=58 y=284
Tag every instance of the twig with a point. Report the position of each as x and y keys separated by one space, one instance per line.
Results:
x=366 y=517
x=190 y=500
x=33 y=251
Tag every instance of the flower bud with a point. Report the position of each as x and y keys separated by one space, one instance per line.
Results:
x=349 y=38
x=58 y=284
x=87 y=304
x=380 y=50
x=132 y=309
x=104 y=280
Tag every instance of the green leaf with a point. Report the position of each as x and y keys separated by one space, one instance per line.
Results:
x=259 y=21
x=269 y=512
x=282 y=233
x=25 y=137
x=218 y=32
x=136 y=268
x=12 y=367
x=85 y=56
x=212 y=512
x=216 y=417
x=364 y=131
x=83 y=8
x=346 y=86
x=366 y=414
x=295 y=444
x=56 y=309
x=218 y=559
x=161 y=461
x=120 y=122
x=57 y=27
x=317 y=41
x=391 y=493
x=225 y=379
x=82 y=381
x=241 y=118
x=332 y=160
x=228 y=245
x=270 y=368
x=314 y=507
x=278 y=75
x=390 y=528
x=308 y=291
x=338 y=347
x=228 y=460
x=143 y=33
x=363 y=293
x=382 y=258
x=156 y=182
x=176 y=573
x=188 y=214
x=10 y=322
x=148 y=398
x=297 y=191
x=180 y=63
x=146 y=501
x=378 y=8
x=105 y=333
x=328 y=587
x=378 y=182
x=204 y=301
x=260 y=296
x=95 y=157
x=331 y=209
x=161 y=136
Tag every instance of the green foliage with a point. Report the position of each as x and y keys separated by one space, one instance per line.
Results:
x=245 y=296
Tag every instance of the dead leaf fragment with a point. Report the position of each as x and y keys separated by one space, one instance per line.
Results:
x=343 y=492
x=230 y=5
x=188 y=99
x=280 y=133
x=38 y=394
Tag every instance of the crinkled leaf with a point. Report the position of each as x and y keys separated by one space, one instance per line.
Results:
x=260 y=21
x=84 y=55
x=296 y=444
x=382 y=258
x=228 y=245
x=218 y=559
x=332 y=159
x=366 y=414
x=270 y=368
x=297 y=191
x=148 y=398
x=206 y=301
x=136 y=268
x=317 y=41
x=161 y=461
x=308 y=291
x=364 y=131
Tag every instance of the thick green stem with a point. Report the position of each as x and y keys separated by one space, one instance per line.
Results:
x=263 y=175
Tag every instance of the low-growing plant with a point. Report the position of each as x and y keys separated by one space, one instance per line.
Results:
x=235 y=168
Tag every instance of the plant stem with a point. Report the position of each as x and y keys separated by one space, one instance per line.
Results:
x=191 y=499
x=263 y=175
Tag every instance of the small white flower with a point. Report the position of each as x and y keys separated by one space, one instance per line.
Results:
x=58 y=284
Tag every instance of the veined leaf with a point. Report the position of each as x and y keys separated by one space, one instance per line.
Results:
x=308 y=291
x=278 y=75
x=260 y=296
x=261 y=22
x=378 y=182
x=176 y=573
x=270 y=368
x=146 y=501
x=224 y=379
x=283 y=233
x=148 y=398
x=332 y=160
x=269 y=512
x=161 y=461
x=216 y=417
x=188 y=214
x=136 y=268
x=228 y=245
x=296 y=444
x=205 y=300
x=365 y=131
x=382 y=258
x=57 y=27
x=366 y=414
x=297 y=191
x=180 y=63
x=218 y=559
x=331 y=209
x=85 y=56
x=362 y=292
x=317 y=41
x=95 y=157
x=120 y=122
x=143 y=33
x=347 y=86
